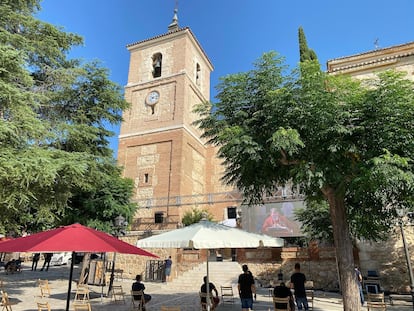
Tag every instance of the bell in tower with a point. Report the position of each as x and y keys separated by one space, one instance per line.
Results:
x=156 y=65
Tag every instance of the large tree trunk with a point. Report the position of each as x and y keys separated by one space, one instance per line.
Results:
x=344 y=251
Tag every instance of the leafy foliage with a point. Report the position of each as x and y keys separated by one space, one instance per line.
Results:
x=195 y=215
x=316 y=221
x=343 y=141
x=319 y=131
x=304 y=52
x=53 y=117
x=98 y=207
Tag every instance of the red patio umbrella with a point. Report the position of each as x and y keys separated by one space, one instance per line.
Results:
x=72 y=238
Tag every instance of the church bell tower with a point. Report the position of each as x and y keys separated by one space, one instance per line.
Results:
x=159 y=147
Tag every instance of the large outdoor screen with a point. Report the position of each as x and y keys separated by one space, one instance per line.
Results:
x=274 y=219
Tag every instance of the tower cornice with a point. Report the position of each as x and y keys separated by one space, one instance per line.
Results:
x=168 y=36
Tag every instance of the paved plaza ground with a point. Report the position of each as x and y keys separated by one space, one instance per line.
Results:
x=23 y=291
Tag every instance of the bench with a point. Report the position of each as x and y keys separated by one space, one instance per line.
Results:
x=401 y=297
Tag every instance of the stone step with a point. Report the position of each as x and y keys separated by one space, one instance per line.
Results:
x=220 y=273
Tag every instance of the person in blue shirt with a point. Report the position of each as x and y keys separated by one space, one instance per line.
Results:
x=358 y=277
x=168 y=264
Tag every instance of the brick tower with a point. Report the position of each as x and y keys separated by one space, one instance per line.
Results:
x=159 y=147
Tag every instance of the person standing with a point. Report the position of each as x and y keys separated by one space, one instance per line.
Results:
x=35 y=260
x=358 y=277
x=168 y=264
x=297 y=282
x=246 y=288
x=48 y=258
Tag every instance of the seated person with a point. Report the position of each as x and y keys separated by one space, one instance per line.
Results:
x=212 y=287
x=12 y=266
x=18 y=265
x=282 y=291
x=137 y=285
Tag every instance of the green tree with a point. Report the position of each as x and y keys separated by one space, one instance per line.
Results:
x=304 y=52
x=341 y=141
x=194 y=216
x=53 y=113
x=98 y=207
x=316 y=221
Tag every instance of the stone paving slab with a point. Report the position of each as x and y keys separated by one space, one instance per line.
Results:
x=23 y=291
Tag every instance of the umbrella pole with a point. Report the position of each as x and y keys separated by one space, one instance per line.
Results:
x=111 y=280
x=70 y=281
x=208 y=300
x=103 y=278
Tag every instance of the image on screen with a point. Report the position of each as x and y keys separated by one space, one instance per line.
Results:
x=274 y=219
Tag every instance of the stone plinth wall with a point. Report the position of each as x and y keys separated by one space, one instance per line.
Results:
x=318 y=264
x=183 y=260
x=388 y=259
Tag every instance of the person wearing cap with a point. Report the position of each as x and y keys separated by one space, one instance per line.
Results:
x=246 y=288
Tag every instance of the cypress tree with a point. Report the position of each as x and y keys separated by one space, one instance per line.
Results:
x=304 y=52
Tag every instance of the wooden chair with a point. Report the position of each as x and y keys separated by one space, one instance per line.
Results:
x=5 y=302
x=281 y=304
x=44 y=288
x=165 y=308
x=139 y=303
x=117 y=293
x=309 y=292
x=118 y=274
x=227 y=294
x=82 y=294
x=43 y=306
x=376 y=302
x=203 y=302
x=81 y=306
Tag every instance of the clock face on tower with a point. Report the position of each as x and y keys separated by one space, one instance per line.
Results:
x=152 y=98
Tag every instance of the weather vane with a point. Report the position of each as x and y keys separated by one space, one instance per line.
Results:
x=174 y=25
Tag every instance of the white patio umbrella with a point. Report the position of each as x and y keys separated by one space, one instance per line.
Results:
x=209 y=235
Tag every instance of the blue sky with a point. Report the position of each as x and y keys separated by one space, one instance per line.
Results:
x=233 y=33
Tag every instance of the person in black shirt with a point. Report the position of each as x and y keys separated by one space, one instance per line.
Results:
x=246 y=288
x=137 y=286
x=282 y=291
x=297 y=282
x=211 y=287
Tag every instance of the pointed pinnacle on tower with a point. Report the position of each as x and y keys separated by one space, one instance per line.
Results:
x=174 y=24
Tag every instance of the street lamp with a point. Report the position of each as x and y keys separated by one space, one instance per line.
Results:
x=118 y=229
x=401 y=213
